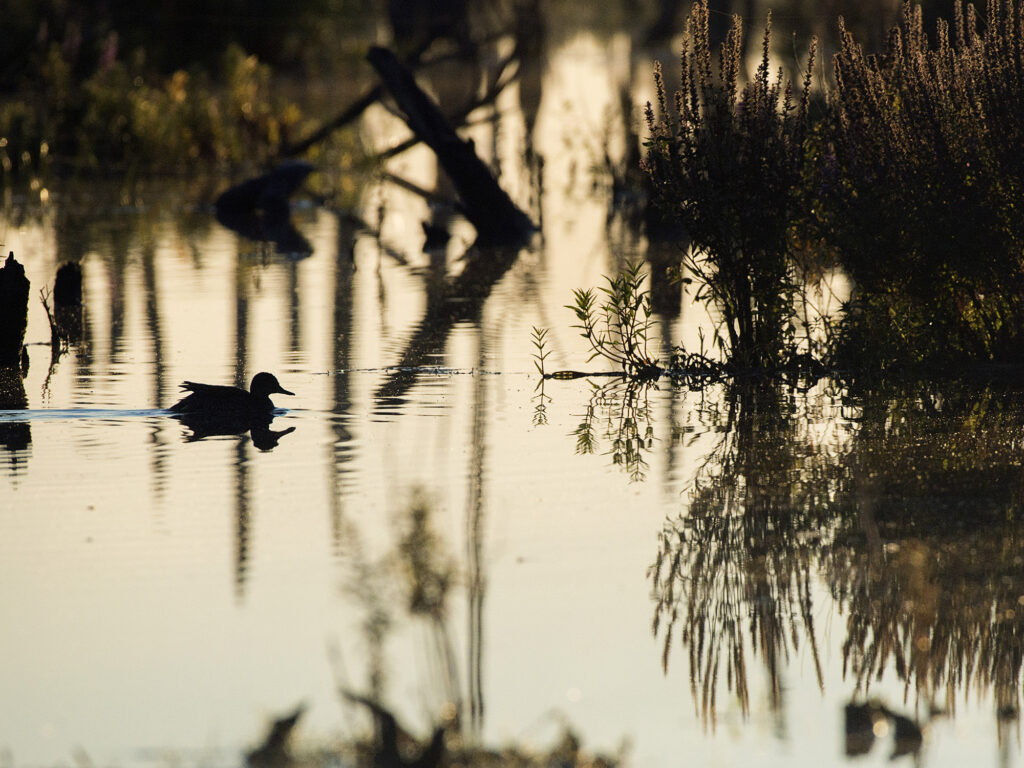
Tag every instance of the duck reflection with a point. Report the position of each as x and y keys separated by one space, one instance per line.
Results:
x=203 y=425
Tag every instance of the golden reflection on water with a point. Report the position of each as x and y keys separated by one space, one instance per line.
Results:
x=423 y=536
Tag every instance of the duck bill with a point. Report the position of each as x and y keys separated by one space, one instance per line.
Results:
x=284 y=391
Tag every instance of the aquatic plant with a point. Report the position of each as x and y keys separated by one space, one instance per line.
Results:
x=540 y=412
x=539 y=338
x=617 y=327
x=727 y=163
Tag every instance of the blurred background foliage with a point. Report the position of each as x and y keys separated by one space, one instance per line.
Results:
x=105 y=86
x=110 y=87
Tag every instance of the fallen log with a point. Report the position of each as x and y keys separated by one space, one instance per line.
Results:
x=485 y=204
x=352 y=111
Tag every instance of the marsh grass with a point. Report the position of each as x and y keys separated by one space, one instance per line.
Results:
x=911 y=181
x=539 y=337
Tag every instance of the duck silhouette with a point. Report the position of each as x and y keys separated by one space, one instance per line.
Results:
x=216 y=401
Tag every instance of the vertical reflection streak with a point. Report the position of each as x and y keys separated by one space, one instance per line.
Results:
x=341 y=353
x=474 y=554
x=243 y=519
x=241 y=473
x=294 y=315
x=159 y=374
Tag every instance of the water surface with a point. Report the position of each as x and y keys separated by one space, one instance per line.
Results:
x=699 y=576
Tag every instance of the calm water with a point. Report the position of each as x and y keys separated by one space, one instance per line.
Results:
x=699 y=577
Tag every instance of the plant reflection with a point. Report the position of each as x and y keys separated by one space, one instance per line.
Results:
x=15 y=436
x=417 y=578
x=929 y=566
x=734 y=574
x=619 y=413
x=540 y=404
x=912 y=523
x=429 y=573
x=414 y=579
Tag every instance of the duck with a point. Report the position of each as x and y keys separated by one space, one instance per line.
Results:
x=217 y=401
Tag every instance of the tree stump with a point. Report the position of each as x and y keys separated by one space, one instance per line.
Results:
x=13 y=312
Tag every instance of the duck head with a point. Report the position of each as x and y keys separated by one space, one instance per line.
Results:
x=265 y=384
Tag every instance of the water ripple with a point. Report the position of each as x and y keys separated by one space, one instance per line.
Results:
x=66 y=414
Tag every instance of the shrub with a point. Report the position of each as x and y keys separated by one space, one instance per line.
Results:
x=131 y=121
x=727 y=164
x=922 y=190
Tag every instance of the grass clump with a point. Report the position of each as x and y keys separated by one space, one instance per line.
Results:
x=727 y=162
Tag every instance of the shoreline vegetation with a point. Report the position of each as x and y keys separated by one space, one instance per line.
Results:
x=904 y=179
x=899 y=169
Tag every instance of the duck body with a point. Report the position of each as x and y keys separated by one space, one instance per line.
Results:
x=216 y=401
